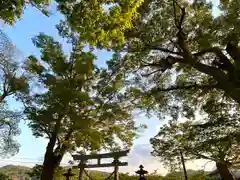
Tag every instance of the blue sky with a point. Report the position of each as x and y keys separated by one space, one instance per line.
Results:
x=32 y=150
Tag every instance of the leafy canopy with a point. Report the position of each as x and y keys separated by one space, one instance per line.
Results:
x=4 y=177
x=176 y=51
x=214 y=136
x=100 y=23
x=12 y=83
x=12 y=78
x=77 y=104
x=8 y=131
x=98 y=175
x=11 y=10
x=37 y=170
x=192 y=175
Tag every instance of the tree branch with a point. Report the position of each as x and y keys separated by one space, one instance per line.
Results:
x=180 y=22
x=188 y=87
x=163 y=64
x=233 y=51
x=144 y=8
x=153 y=47
x=217 y=51
x=202 y=156
x=44 y=128
x=175 y=14
x=195 y=153
x=149 y=74
x=3 y=96
x=216 y=73
x=209 y=50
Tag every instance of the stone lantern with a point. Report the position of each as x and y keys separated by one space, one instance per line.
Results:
x=68 y=174
x=141 y=173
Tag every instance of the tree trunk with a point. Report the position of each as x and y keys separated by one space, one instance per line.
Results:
x=184 y=167
x=49 y=167
x=224 y=171
x=53 y=156
x=51 y=162
x=235 y=95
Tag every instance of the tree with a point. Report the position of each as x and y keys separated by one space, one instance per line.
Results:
x=4 y=177
x=37 y=170
x=101 y=22
x=15 y=171
x=214 y=137
x=13 y=81
x=176 y=40
x=175 y=52
x=200 y=176
x=12 y=10
x=8 y=130
x=77 y=106
x=193 y=175
x=172 y=72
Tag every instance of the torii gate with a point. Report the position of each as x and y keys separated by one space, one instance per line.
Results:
x=116 y=163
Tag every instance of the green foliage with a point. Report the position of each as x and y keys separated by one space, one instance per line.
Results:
x=201 y=177
x=100 y=23
x=37 y=170
x=161 y=73
x=4 y=177
x=18 y=171
x=96 y=175
x=168 y=143
x=8 y=130
x=78 y=105
x=215 y=136
x=173 y=52
x=13 y=81
x=192 y=175
x=12 y=10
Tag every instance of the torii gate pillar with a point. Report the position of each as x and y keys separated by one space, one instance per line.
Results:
x=116 y=163
x=116 y=168
x=81 y=166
